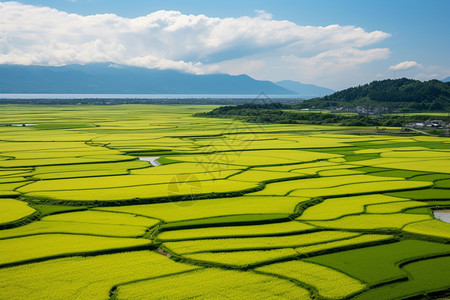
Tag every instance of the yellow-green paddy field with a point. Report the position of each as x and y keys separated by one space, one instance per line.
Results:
x=149 y=202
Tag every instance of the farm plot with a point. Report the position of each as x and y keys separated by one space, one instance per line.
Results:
x=356 y=242
x=30 y=248
x=46 y=227
x=371 y=221
x=258 y=176
x=414 y=164
x=147 y=191
x=258 y=158
x=424 y=276
x=262 y=257
x=235 y=231
x=84 y=277
x=220 y=284
x=233 y=220
x=430 y=228
x=383 y=265
x=297 y=186
x=258 y=243
x=328 y=282
x=98 y=217
x=311 y=167
x=105 y=182
x=338 y=207
x=186 y=168
x=362 y=188
x=110 y=166
x=14 y=163
x=243 y=258
x=394 y=207
x=188 y=210
x=362 y=202
x=13 y=210
x=79 y=174
x=427 y=194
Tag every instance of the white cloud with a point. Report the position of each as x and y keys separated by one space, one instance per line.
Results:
x=406 y=65
x=334 y=61
x=172 y=40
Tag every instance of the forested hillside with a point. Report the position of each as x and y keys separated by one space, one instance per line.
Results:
x=403 y=94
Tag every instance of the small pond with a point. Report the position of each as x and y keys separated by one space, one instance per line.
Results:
x=151 y=159
x=443 y=215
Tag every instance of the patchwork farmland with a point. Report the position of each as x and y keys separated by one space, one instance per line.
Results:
x=234 y=210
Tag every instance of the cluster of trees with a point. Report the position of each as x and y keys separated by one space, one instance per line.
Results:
x=403 y=94
x=283 y=114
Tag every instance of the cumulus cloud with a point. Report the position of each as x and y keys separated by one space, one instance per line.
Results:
x=172 y=40
x=334 y=61
x=406 y=65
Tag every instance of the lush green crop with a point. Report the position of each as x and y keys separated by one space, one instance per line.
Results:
x=83 y=277
x=243 y=258
x=220 y=284
x=430 y=227
x=177 y=211
x=234 y=231
x=12 y=210
x=315 y=184
x=394 y=207
x=104 y=182
x=258 y=176
x=110 y=166
x=44 y=226
x=261 y=158
x=338 y=207
x=445 y=184
x=405 y=162
x=429 y=194
x=384 y=259
x=47 y=245
x=11 y=186
x=429 y=275
x=257 y=243
x=318 y=165
x=247 y=196
x=187 y=168
x=372 y=221
x=353 y=242
x=338 y=172
x=174 y=188
x=398 y=173
x=226 y=221
x=362 y=188
x=78 y=174
x=328 y=282
x=99 y=217
x=62 y=161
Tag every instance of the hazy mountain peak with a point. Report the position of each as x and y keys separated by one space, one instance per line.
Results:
x=109 y=78
x=305 y=90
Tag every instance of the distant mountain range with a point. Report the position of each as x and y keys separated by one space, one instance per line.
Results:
x=118 y=79
x=305 y=90
x=108 y=78
x=446 y=79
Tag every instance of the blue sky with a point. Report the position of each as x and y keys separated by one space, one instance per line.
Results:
x=373 y=39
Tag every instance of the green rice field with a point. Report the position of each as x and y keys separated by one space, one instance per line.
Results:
x=233 y=210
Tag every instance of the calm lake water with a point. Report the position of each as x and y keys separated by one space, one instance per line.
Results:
x=139 y=96
x=443 y=215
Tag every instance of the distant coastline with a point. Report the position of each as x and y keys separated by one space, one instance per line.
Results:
x=143 y=96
